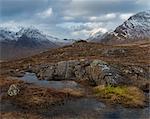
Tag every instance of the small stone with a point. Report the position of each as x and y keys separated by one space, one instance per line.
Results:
x=13 y=90
x=97 y=62
x=17 y=70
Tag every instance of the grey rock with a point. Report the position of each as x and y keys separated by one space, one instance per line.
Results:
x=60 y=71
x=102 y=73
x=115 y=52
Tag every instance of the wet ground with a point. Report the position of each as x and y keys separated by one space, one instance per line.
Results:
x=31 y=78
x=82 y=108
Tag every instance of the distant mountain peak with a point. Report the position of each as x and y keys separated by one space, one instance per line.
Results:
x=97 y=33
x=25 y=42
x=33 y=33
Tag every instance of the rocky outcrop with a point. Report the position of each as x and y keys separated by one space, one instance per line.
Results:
x=96 y=72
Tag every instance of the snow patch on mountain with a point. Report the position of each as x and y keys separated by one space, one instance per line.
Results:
x=6 y=34
x=97 y=33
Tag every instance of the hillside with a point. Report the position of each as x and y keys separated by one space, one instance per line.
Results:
x=116 y=54
x=113 y=74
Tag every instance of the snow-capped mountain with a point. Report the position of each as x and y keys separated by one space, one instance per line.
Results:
x=24 y=42
x=31 y=33
x=8 y=34
x=136 y=28
x=26 y=33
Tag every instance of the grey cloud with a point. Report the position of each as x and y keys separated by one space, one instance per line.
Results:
x=97 y=7
x=69 y=16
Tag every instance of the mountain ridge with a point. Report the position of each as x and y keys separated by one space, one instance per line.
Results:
x=136 y=28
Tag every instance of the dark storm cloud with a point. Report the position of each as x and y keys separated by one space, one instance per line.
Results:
x=76 y=18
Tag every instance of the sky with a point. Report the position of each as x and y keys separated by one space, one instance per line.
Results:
x=69 y=18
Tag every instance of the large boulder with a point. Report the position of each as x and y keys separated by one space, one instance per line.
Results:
x=46 y=73
x=102 y=73
x=63 y=70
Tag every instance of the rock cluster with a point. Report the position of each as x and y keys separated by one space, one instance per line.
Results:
x=116 y=52
x=97 y=72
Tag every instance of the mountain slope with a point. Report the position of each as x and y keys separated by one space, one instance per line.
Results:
x=136 y=28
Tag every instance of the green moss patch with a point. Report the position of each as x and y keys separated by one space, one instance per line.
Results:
x=127 y=96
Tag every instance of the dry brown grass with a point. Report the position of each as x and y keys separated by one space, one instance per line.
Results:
x=19 y=115
x=5 y=82
x=136 y=54
x=73 y=92
x=36 y=97
x=32 y=96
